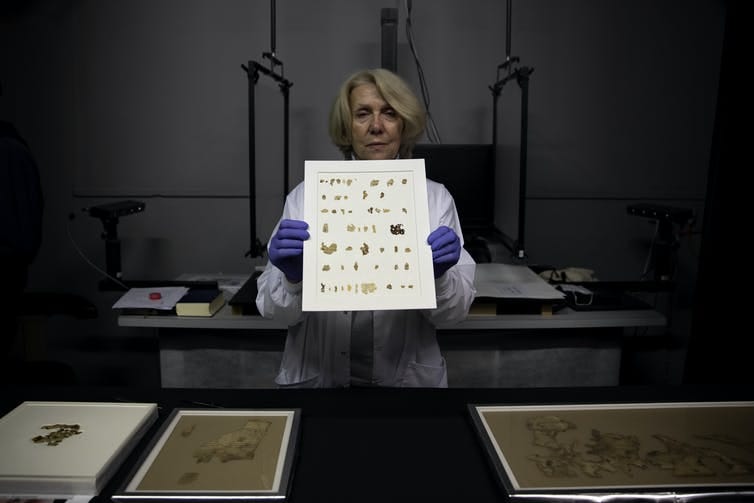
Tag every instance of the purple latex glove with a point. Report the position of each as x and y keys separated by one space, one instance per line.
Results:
x=446 y=249
x=287 y=248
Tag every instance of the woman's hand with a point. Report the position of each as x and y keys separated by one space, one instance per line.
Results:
x=446 y=249
x=287 y=248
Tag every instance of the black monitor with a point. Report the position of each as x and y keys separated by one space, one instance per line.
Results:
x=467 y=170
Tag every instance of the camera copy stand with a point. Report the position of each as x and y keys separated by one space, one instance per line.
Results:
x=244 y=299
x=521 y=75
x=253 y=70
x=665 y=244
x=112 y=249
x=110 y=214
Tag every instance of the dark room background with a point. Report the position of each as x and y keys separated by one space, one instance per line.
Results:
x=147 y=100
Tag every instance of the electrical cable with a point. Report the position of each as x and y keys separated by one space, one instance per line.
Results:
x=86 y=259
x=432 y=133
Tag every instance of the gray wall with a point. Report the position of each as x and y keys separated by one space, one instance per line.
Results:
x=146 y=99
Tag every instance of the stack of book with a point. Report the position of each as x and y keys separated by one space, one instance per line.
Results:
x=513 y=289
x=200 y=302
x=203 y=300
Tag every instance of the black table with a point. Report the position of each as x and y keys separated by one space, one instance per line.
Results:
x=374 y=445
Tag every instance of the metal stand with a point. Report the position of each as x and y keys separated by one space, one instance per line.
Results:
x=115 y=281
x=112 y=248
x=109 y=214
x=521 y=75
x=257 y=248
x=665 y=244
x=665 y=251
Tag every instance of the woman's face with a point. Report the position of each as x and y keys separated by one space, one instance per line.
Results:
x=375 y=126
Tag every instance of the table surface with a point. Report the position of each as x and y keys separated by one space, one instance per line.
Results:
x=564 y=318
x=375 y=445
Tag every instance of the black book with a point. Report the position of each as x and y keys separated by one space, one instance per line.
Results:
x=245 y=299
x=200 y=302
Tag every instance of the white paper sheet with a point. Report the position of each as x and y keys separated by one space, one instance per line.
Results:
x=512 y=282
x=369 y=223
x=139 y=298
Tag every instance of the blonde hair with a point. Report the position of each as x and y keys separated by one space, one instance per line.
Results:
x=395 y=92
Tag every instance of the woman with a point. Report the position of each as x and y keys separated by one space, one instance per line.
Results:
x=375 y=116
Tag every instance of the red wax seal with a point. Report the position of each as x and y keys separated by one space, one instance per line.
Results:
x=155 y=296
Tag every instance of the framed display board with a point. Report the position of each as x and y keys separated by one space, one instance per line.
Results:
x=64 y=449
x=217 y=454
x=641 y=450
x=368 y=226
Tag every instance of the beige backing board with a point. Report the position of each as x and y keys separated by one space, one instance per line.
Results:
x=369 y=223
x=674 y=448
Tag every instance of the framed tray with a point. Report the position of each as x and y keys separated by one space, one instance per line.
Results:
x=216 y=454
x=63 y=449
x=652 y=451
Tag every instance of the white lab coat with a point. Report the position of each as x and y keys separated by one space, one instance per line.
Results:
x=406 y=353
